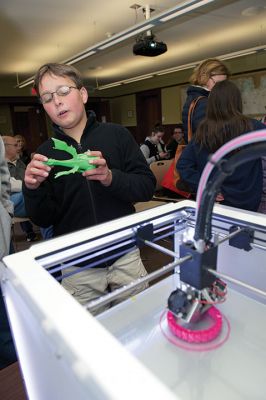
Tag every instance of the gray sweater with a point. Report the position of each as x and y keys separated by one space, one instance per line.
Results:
x=6 y=206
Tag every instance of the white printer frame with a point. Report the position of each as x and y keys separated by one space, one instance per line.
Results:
x=65 y=352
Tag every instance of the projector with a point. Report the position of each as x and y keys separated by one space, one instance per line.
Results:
x=149 y=47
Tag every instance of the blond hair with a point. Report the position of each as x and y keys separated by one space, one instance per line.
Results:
x=206 y=69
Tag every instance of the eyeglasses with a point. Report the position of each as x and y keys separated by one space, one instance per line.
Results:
x=11 y=144
x=61 y=91
x=218 y=80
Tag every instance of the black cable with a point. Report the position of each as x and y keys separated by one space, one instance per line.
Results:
x=226 y=167
x=92 y=200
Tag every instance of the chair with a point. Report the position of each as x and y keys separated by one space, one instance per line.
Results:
x=159 y=169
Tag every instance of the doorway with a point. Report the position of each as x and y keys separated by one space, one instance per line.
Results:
x=31 y=123
x=101 y=109
x=149 y=112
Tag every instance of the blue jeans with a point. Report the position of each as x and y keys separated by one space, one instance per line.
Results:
x=20 y=211
x=47 y=233
x=19 y=206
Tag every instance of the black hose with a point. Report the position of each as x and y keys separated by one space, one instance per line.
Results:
x=226 y=167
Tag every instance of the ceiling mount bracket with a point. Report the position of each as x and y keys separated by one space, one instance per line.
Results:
x=135 y=6
x=147 y=10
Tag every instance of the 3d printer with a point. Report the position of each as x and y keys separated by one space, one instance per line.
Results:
x=67 y=353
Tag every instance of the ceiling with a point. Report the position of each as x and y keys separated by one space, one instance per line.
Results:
x=33 y=32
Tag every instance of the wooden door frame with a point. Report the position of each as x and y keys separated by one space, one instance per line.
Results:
x=141 y=116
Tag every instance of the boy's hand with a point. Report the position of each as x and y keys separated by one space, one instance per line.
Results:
x=36 y=172
x=102 y=173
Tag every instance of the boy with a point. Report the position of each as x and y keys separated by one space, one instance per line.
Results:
x=77 y=201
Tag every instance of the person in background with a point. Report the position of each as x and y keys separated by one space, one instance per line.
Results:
x=203 y=79
x=224 y=121
x=76 y=201
x=17 y=170
x=153 y=146
x=23 y=153
x=177 y=137
x=7 y=348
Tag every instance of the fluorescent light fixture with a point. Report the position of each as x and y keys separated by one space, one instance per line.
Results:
x=124 y=37
x=118 y=83
x=138 y=78
x=82 y=57
x=180 y=68
x=110 y=85
x=26 y=83
x=236 y=55
x=241 y=53
x=184 y=8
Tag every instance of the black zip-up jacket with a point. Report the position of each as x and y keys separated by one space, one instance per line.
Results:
x=71 y=202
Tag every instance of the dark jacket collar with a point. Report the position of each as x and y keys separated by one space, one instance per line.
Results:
x=91 y=121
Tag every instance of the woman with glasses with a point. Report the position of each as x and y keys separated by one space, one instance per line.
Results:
x=203 y=79
x=23 y=153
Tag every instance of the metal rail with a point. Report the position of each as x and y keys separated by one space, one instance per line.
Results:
x=108 y=298
x=237 y=282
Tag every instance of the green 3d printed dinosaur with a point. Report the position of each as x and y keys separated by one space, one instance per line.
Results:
x=78 y=162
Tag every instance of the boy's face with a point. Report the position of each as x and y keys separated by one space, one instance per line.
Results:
x=66 y=111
